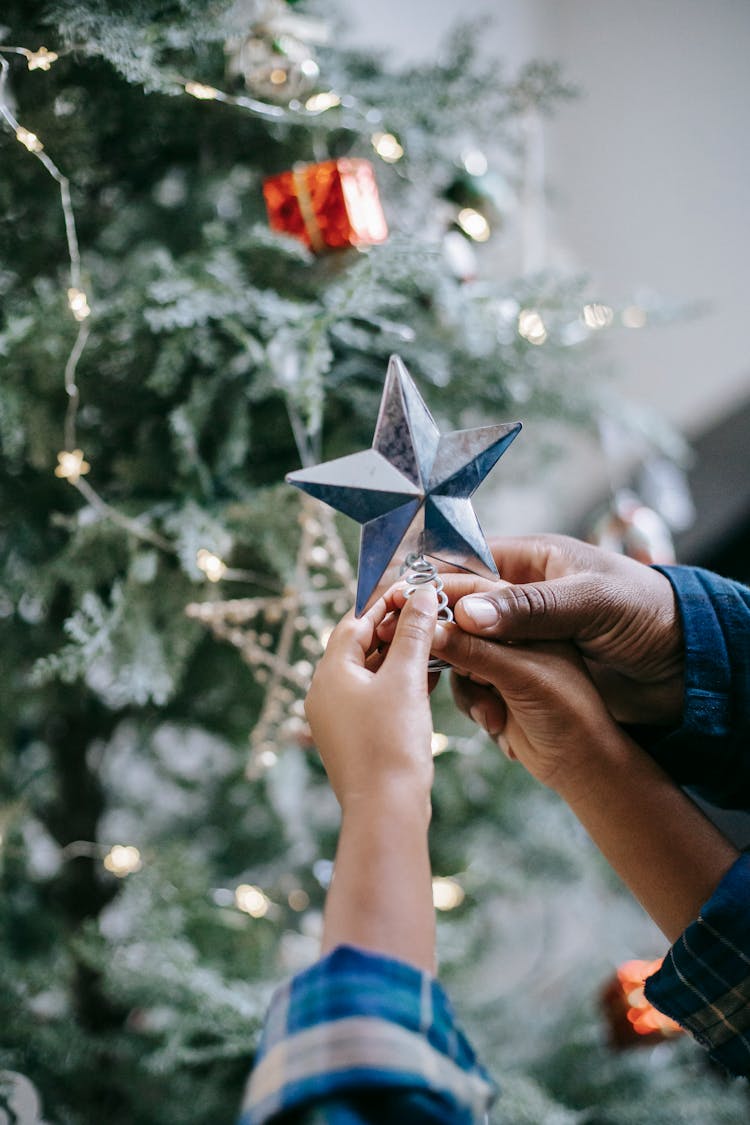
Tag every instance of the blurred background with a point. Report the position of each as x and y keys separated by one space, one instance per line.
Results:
x=549 y=225
x=641 y=185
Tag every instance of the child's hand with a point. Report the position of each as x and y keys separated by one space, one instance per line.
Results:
x=373 y=728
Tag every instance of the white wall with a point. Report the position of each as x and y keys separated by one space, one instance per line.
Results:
x=648 y=175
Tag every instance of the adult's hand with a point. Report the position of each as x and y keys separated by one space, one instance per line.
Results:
x=620 y=613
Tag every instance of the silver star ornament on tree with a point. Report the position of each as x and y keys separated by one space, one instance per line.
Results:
x=412 y=490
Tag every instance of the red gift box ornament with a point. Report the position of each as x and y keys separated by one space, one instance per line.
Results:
x=327 y=205
x=632 y=1020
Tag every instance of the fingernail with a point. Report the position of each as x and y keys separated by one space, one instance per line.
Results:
x=481 y=611
x=424 y=598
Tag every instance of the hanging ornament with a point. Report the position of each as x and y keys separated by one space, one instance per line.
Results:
x=411 y=491
x=275 y=59
x=282 y=636
x=627 y=526
x=631 y=1019
x=327 y=205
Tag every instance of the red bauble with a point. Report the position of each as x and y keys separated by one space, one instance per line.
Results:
x=631 y=1019
x=327 y=205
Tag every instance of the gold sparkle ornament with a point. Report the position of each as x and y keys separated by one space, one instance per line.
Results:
x=280 y=635
x=71 y=465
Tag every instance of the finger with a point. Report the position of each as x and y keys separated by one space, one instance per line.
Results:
x=482 y=704
x=534 y=558
x=387 y=628
x=575 y=607
x=375 y=659
x=410 y=647
x=458 y=586
x=522 y=671
x=351 y=640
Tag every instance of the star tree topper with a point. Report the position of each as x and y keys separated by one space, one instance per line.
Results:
x=412 y=490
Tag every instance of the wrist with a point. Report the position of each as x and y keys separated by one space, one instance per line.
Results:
x=588 y=773
x=389 y=801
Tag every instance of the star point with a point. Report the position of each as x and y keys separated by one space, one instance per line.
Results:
x=411 y=491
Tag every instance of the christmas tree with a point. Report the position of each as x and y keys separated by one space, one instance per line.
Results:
x=170 y=349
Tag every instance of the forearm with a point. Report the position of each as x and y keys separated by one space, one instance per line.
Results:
x=380 y=897
x=658 y=841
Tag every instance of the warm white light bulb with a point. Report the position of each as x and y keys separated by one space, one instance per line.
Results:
x=596 y=315
x=251 y=900
x=474 y=224
x=71 y=465
x=122 y=860
x=439 y=743
x=319 y=103
x=447 y=893
x=475 y=162
x=78 y=303
x=531 y=326
x=201 y=91
x=212 y=566
x=387 y=147
x=41 y=59
x=28 y=139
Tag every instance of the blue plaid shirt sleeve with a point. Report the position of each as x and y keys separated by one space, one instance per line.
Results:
x=361 y=1039
x=704 y=981
x=710 y=751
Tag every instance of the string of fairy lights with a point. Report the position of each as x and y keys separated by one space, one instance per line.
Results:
x=122 y=860
x=72 y=465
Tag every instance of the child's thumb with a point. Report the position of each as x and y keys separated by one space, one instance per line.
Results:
x=410 y=647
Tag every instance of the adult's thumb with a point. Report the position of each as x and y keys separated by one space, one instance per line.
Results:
x=559 y=609
x=410 y=647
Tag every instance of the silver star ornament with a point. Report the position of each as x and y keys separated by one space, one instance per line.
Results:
x=412 y=490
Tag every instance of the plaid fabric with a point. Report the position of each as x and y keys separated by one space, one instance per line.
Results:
x=704 y=982
x=710 y=750
x=360 y=1039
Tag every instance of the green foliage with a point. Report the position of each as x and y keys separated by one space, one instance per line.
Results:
x=220 y=353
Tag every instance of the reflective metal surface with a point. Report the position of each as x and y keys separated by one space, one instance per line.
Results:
x=411 y=491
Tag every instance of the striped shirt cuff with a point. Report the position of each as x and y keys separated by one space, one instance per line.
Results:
x=358 y=1022
x=704 y=981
